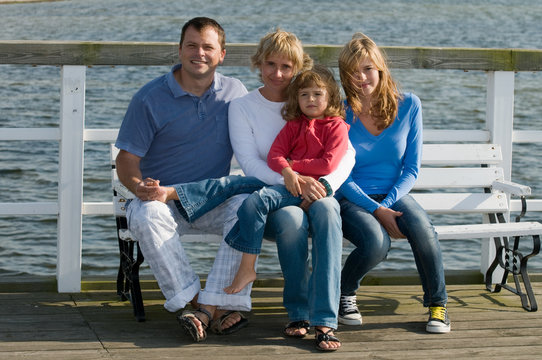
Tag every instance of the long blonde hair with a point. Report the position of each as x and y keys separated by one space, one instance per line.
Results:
x=386 y=94
x=280 y=42
x=321 y=77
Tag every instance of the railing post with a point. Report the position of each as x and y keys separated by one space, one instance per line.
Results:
x=70 y=182
x=500 y=123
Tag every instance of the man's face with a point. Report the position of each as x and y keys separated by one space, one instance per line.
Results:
x=200 y=53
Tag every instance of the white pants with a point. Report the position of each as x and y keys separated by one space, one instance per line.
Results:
x=158 y=228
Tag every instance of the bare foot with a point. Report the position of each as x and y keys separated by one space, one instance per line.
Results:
x=242 y=279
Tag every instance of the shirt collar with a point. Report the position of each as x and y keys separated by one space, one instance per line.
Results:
x=178 y=91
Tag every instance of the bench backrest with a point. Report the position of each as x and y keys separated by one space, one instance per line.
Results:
x=454 y=178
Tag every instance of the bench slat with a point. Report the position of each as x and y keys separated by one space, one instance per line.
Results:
x=478 y=231
x=461 y=154
x=434 y=178
x=467 y=203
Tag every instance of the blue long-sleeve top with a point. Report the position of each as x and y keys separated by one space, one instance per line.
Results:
x=387 y=163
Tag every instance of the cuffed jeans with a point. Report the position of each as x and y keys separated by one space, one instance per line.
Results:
x=158 y=228
x=309 y=296
x=247 y=234
x=372 y=243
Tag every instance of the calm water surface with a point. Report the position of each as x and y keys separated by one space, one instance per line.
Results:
x=29 y=97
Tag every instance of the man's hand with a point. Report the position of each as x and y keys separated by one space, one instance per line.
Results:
x=388 y=219
x=150 y=189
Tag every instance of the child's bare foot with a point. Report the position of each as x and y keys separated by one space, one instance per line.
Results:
x=242 y=279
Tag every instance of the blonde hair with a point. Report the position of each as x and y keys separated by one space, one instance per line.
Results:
x=386 y=94
x=282 y=43
x=321 y=77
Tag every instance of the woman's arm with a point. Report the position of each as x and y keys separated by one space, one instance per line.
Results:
x=337 y=178
x=245 y=147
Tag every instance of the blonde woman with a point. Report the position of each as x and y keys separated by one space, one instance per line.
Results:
x=310 y=298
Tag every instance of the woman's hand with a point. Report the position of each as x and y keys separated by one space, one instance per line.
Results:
x=312 y=189
x=388 y=219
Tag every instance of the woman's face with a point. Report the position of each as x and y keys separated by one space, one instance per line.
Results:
x=367 y=78
x=277 y=72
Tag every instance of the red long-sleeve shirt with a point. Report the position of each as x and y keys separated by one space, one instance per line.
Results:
x=314 y=146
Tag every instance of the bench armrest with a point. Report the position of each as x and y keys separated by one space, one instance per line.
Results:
x=511 y=188
x=123 y=190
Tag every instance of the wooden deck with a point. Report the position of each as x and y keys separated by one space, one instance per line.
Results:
x=42 y=324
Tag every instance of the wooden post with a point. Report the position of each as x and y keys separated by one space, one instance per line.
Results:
x=500 y=123
x=70 y=184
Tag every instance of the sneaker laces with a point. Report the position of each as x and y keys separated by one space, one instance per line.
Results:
x=348 y=303
x=438 y=313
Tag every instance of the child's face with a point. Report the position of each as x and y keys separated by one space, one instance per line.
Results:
x=368 y=77
x=313 y=101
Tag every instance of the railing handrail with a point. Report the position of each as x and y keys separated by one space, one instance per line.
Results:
x=94 y=53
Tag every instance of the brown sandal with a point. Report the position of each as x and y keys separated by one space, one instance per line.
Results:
x=187 y=322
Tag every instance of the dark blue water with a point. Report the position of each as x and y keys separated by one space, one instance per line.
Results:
x=29 y=97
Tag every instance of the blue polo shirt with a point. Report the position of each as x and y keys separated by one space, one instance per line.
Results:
x=180 y=137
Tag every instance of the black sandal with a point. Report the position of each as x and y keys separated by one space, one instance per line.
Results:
x=325 y=336
x=187 y=322
x=298 y=325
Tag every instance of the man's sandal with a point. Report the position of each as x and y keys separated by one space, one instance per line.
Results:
x=325 y=337
x=216 y=325
x=297 y=325
x=186 y=319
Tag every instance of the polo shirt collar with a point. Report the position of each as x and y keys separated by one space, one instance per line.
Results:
x=178 y=91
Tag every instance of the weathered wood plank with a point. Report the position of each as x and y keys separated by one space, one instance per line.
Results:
x=166 y=53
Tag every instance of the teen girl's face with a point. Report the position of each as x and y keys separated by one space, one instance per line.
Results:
x=277 y=72
x=368 y=77
x=313 y=102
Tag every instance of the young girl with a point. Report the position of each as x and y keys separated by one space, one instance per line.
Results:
x=386 y=130
x=312 y=143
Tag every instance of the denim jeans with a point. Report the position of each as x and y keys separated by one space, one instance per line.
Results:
x=309 y=296
x=198 y=198
x=372 y=243
x=247 y=234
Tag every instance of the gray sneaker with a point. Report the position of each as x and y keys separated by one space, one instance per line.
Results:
x=348 y=311
x=438 y=322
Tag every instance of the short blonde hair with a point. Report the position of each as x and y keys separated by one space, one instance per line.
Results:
x=321 y=77
x=280 y=42
x=387 y=95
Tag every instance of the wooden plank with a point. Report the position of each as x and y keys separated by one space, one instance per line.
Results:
x=166 y=53
x=479 y=231
x=468 y=203
x=461 y=154
x=434 y=178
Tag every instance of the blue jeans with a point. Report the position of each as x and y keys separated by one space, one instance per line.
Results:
x=309 y=296
x=247 y=233
x=198 y=198
x=372 y=243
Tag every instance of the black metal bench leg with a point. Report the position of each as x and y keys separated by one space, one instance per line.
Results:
x=135 y=288
x=512 y=261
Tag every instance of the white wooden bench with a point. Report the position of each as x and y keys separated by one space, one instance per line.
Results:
x=455 y=179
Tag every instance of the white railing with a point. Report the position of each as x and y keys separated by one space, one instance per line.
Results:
x=72 y=135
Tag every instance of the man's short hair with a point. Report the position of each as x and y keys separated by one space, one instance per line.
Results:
x=199 y=23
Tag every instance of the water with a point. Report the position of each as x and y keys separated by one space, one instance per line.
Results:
x=29 y=97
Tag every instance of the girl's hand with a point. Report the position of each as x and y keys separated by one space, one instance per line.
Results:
x=388 y=219
x=291 y=181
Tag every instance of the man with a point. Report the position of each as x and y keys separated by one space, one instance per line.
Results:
x=176 y=131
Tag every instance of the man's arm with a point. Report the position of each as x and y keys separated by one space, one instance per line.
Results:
x=130 y=176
